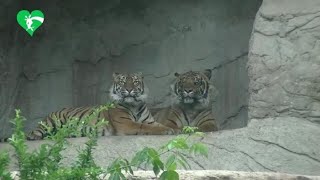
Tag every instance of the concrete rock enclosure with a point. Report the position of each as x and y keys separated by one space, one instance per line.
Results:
x=284 y=61
x=70 y=60
x=266 y=71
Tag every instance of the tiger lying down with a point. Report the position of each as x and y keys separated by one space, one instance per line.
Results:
x=130 y=116
x=191 y=105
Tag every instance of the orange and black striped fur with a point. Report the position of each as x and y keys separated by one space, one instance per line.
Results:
x=191 y=105
x=130 y=116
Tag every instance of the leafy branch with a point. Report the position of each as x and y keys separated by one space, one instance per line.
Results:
x=45 y=162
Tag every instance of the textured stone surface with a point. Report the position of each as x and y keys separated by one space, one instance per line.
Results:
x=69 y=63
x=214 y=175
x=284 y=144
x=70 y=58
x=9 y=63
x=284 y=60
x=226 y=175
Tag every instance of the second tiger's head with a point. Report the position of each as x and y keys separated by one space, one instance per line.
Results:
x=192 y=87
x=128 y=88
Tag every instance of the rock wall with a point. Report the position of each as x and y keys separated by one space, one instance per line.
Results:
x=9 y=63
x=210 y=174
x=284 y=60
x=283 y=145
x=69 y=60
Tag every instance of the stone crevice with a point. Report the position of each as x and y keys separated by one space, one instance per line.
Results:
x=284 y=148
x=246 y=154
x=36 y=76
x=230 y=61
x=241 y=152
x=299 y=94
x=193 y=160
x=129 y=47
x=159 y=76
x=240 y=109
x=301 y=25
x=265 y=34
x=99 y=60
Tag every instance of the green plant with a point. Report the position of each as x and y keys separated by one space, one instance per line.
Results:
x=4 y=162
x=45 y=162
x=175 y=148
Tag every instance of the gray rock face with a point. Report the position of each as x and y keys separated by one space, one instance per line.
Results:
x=9 y=66
x=59 y=68
x=225 y=175
x=212 y=175
x=69 y=60
x=284 y=145
x=284 y=60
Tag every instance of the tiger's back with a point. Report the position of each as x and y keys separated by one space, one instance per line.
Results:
x=130 y=116
x=124 y=121
x=56 y=119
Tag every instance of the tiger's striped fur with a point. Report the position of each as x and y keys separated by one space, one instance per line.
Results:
x=56 y=119
x=130 y=116
x=192 y=104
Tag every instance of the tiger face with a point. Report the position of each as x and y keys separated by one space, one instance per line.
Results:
x=192 y=87
x=128 y=88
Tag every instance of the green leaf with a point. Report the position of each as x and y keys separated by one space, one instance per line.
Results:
x=171 y=162
x=178 y=143
x=140 y=157
x=114 y=176
x=172 y=167
x=157 y=165
x=189 y=130
x=201 y=134
x=122 y=176
x=156 y=169
x=199 y=149
x=169 y=175
x=183 y=164
x=183 y=161
x=129 y=166
x=153 y=153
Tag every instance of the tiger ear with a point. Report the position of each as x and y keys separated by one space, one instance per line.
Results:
x=176 y=74
x=207 y=73
x=139 y=74
x=115 y=75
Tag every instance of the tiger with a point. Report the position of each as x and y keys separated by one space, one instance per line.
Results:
x=191 y=104
x=129 y=116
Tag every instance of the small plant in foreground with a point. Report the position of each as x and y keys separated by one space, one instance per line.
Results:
x=176 y=149
x=4 y=162
x=45 y=162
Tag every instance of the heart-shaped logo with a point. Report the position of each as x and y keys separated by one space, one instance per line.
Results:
x=30 y=22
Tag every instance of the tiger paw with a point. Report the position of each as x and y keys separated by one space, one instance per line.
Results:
x=177 y=131
x=171 y=131
x=33 y=137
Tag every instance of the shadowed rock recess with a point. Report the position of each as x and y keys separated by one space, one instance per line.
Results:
x=268 y=83
x=70 y=59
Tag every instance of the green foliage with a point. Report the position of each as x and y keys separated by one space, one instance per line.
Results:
x=169 y=175
x=45 y=162
x=176 y=149
x=4 y=162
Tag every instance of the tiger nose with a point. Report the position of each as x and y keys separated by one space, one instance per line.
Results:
x=129 y=89
x=125 y=92
x=188 y=90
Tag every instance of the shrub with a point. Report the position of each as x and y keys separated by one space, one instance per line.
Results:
x=45 y=162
